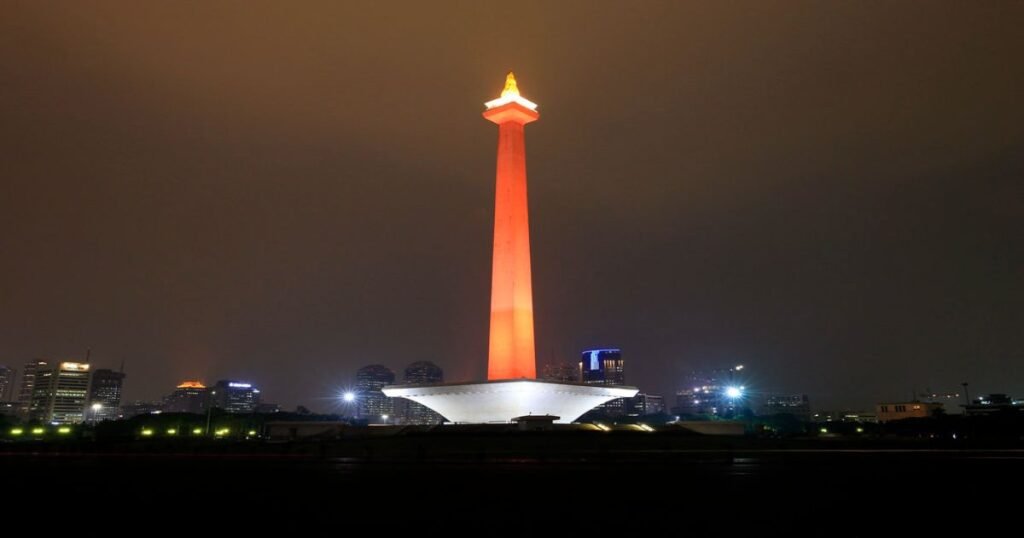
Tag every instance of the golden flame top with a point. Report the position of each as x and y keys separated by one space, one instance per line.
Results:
x=510 y=86
x=511 y=95
x=191 y=385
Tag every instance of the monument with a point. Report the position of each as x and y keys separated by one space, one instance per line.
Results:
x=511 y=389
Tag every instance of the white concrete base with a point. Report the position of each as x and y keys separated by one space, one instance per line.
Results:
x=501 y=401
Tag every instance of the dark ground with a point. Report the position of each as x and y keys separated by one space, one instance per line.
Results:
x=718 y=485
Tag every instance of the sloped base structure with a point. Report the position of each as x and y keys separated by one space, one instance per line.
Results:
x=501 y=401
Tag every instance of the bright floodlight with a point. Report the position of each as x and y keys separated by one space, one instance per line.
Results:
x=97 y=406
x=733 y=392
x=349 y=396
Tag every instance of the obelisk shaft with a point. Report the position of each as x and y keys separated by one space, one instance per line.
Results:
x=511 y=348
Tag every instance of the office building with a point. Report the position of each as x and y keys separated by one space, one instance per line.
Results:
x=105 y=395
x=561 y=372
x=6 y=383
x=371 y=403
x=410 y=412
x=188 y=397
x=797 y=405
x=59 y=393
x=645 y=404
x=28 y=383
x=137 y=408
x=235 y=396
x=994 y=404
x=604 y=367
x=901 y=410
x=720 y=392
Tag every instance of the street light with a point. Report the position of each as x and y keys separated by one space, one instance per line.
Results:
x=209 y=410
x=96 y=407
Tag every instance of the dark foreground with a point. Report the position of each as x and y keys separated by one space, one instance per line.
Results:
x=717 y=485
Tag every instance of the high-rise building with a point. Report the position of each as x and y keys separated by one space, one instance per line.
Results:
x=602 y=367
x=562 y=372
x=797 y=405
x=188 y=397
x=8 y=409
x=105 y=395
x=6 y=383
x=371 y=403
x=719 y=393
x=419 y=373
x=137 y=408
x=28 y=383
x=59 y=393
x=645 y=404
x=605 y=367
x=235 y=396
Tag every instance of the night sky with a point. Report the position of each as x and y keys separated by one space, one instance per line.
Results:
x=830 y=193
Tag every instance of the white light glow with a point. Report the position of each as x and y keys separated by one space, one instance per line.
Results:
x=518 y=99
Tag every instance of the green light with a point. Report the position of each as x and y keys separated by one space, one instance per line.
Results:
x=222 y=432
x=17 y=431
x=38 y=431
x=824 y=430
x=860 y=430
x=172 y=431
x=64 y=430
x=147 y=432
x=252 y=432
x=197 y=431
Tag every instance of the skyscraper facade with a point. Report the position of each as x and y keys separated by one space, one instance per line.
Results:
x=718 y=393
x=645 y=404
x=605 y=367
x=188 y=397
x=797 y=405
x=371 y=403
x=6 y=383
x=59 y=393
x=28 y=383
x=235 y=396
x=419 y=373
x=562 y=372
x=105 y=395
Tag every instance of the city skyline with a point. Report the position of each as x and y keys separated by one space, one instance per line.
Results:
x=829 y=196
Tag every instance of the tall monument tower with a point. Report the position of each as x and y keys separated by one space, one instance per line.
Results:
x=512 y=389
x=511 y=350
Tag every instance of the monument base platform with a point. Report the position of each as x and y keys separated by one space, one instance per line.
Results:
x=501 y=401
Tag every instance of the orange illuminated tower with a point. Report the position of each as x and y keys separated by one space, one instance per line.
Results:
x=512 y=391
x=511 y=350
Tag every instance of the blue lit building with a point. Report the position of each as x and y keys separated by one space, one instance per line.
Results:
x=235 y=396
x=604 y=367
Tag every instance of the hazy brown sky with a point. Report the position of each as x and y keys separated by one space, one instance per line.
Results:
x=828 y=192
